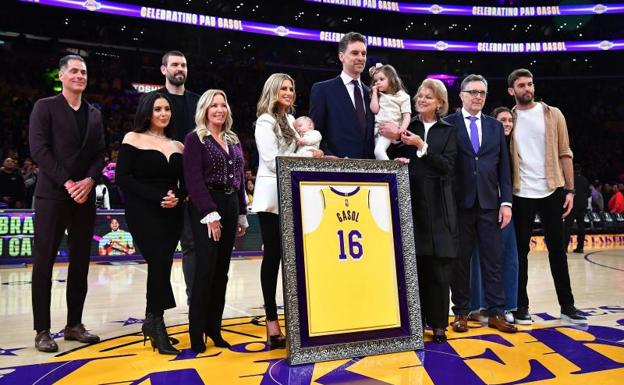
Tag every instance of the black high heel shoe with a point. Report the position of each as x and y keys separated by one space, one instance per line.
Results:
x=439 y=336
x=154 y=328
x=148 y=327
x=277 y=341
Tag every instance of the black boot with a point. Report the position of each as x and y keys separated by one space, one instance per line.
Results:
x=159 y=338
x=148 y=328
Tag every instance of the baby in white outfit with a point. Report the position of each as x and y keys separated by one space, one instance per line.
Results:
x=308 y=138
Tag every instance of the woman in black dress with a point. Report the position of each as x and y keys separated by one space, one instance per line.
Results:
x=149 y=171
x=429 y=144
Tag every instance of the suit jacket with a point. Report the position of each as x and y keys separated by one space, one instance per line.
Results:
x=484 y=177
x=182 y=125
x=56 y=146
x=334 y=117
x=434 y=209
x=269 y=146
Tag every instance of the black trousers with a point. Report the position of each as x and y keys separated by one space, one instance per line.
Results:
x=578 y=215
x=482 y=225
x=550 y=210
x=52 y=217
x=434 y=278
x=212 y=266
x=269 y=227
x=188 y=252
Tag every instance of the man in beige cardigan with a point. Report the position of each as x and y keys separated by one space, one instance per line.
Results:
x=543 y=183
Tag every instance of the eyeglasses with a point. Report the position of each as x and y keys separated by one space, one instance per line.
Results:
x=475 y=93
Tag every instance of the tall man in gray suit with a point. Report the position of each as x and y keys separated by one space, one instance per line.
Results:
x=67 y=141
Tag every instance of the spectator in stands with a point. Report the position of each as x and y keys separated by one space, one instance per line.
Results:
x=249 y=190
x=30 y=170
x=11 y=184
x=616 y=203
x=250 y=176
x=581 y=203
x=607 y=192
x=597 y=200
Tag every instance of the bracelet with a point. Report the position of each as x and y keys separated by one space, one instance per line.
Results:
x=569 y=191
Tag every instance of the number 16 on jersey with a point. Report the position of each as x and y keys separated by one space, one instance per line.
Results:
x=352 y=243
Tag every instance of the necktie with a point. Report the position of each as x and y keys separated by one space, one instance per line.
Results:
x=359 y=104
x=474 y=133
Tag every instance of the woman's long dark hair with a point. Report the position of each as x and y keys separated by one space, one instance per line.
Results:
x=145 y=110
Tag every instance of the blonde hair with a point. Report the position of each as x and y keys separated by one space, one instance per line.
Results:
x=201 y=118
x=268 y=104
x=439 y=92
x=395 y=84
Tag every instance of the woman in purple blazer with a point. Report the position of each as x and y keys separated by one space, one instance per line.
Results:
x=213 y=170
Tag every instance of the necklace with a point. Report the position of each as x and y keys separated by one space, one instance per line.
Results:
x=150 y=133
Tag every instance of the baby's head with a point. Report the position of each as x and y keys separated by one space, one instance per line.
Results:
x=303 y=124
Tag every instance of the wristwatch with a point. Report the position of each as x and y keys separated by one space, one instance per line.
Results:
x=569 y=191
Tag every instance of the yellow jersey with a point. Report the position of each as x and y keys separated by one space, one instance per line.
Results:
x=350 y=268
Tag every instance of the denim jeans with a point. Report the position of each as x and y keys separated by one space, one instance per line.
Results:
x=510 y=272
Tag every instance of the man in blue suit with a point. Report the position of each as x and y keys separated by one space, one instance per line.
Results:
x=483 y=183
x=340 y=108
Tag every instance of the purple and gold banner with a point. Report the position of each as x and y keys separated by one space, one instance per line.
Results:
x=478 y=10
x=200 y=20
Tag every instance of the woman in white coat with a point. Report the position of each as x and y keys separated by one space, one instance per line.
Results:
x=275 y=136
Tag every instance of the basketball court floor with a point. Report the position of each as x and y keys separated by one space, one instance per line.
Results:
x=547 y=353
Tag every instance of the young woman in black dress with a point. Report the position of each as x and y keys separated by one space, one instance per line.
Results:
x=149 y=171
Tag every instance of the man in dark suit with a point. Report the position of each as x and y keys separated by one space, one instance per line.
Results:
x=175 y=70
x=67 y=141
x=340 y=108
x=481 y=173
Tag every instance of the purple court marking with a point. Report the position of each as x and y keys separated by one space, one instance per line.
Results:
x=477 y=10
x=201 y=20
x=599 y=264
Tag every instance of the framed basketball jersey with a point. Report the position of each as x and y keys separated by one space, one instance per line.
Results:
x=351 y=281
x=349 y=266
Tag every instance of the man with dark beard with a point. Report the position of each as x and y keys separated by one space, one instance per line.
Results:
x=183 y=121
x=174 y=69
x=543 y=183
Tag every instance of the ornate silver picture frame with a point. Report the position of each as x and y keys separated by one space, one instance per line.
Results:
x=349 y=264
